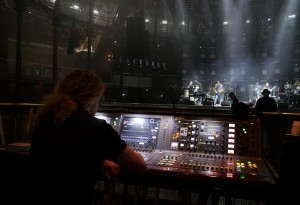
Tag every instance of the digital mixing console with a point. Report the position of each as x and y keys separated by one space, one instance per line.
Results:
x=226 y=148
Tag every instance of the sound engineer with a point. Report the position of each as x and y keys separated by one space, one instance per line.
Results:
x=71 y=148
x=240 y=108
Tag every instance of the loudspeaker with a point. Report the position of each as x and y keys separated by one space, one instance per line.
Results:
x=136 y=38
x=283 y=107
x=207 y=102
x=225 y=103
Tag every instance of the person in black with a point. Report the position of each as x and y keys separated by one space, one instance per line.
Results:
x=71 y=149
x=266 y=103
x=239 y=108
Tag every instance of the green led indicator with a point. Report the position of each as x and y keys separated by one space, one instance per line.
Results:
x=242 y=177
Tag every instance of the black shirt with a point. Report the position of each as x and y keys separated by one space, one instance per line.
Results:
x=266 y=104
x=67 y=159
x=240 y=108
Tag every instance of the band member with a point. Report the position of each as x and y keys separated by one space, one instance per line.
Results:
x=219 y=97
x=268 y=87
x=193 y=88
x=257 y=88
x=296 y=94
x=287 y=89
x=199 y=87
x=190 y=87
x=296 y=88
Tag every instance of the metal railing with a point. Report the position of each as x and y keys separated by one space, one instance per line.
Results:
x=16 y=121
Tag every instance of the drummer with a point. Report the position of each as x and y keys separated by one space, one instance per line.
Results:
x=287 y=92
x=195 y=90
x=191 y=87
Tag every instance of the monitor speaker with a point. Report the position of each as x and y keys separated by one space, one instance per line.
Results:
x=283 y=105
x=225 y=103
x=207 y=102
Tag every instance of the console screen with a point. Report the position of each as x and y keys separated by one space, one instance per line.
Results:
x=140 y=132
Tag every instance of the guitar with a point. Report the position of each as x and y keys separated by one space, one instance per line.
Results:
x=219 y=89
x=273 y=88
x=269 y=89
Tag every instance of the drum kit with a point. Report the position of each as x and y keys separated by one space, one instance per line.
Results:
x=194 y=92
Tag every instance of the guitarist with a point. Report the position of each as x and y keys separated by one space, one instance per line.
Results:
x=219 y=97
x=268 y=87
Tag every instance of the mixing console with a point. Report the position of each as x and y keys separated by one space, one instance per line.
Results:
x=227 y=147
x=199 y=153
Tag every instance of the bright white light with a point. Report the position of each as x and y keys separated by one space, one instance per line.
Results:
x=138 y=120
x=182 y=23
x=96 y=12
x=164 y=22
x=52 y=1
x=146 y=20
x=269 y=19
x=76 y=7
x=248 y=21
x=225 y=23
x=292 y=16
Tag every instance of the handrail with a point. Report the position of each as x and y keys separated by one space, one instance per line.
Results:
x=19 y=123
x=20 y=104
x=2 y=139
